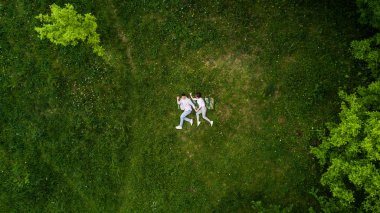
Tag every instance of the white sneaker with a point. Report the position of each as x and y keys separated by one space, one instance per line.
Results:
x=198 y=123
x=211 y=122
x=191 y=122
x=178 y=127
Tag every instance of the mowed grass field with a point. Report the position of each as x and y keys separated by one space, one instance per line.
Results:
x=79 y=133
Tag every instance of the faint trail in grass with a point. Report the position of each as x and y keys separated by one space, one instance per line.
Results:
x=124 y=61
x=124 y=39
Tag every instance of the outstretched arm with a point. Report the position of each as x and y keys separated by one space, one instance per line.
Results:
x=191 y=97
x=177 y=99
x=192 y=105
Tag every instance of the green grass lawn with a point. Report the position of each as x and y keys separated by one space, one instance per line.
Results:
x=80 y=134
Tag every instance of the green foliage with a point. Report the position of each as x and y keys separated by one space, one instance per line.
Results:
x=369 y=12
x=327 y=204
x=368 y=50
x=66 y=27
x=351 y=152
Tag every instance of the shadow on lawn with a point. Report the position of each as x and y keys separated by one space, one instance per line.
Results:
x=238 y=201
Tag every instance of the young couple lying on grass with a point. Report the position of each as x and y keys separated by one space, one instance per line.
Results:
x=187 y=105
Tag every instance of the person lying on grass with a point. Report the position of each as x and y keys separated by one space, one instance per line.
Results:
x=202 y=108
x=186 y=105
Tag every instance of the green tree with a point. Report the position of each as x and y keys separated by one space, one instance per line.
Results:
x=369 y=12
x=66 y=27
x=368 y=50
x=351 y=152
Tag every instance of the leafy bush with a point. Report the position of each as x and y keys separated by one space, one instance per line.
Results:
x=66 y=27
x=351 y=152
x=369 y=12
x=368 y=50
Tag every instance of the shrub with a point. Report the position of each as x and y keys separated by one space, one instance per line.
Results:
x=351 y=151
x=66 y=27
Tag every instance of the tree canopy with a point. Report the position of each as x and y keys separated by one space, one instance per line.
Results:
x=66 y=27
x=368 y=50
x=351 y=152
x=369 y=12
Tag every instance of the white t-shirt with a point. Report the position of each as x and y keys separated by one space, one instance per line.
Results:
x=186 y=104
x=201 y=103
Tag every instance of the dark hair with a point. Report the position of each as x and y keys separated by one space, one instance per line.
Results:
x=183 y=94
x=198 y=95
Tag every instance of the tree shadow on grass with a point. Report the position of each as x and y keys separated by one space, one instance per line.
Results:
x=239 y=201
